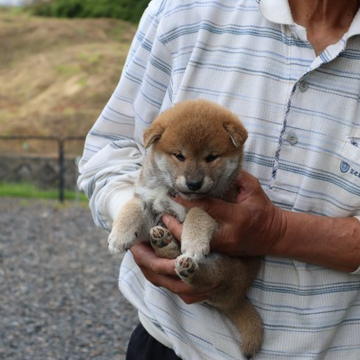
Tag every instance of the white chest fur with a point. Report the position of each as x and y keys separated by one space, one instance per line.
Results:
x=160 y=201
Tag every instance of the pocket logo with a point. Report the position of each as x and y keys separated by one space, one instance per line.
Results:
x=344 y=167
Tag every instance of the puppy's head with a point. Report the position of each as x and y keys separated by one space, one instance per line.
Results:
x=199 y=145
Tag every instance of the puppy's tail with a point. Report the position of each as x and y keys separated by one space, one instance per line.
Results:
x=250 y=326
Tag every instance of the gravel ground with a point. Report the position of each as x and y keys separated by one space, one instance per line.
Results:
x=59 y=297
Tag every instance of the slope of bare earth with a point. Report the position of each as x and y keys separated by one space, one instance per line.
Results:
x=57 y=74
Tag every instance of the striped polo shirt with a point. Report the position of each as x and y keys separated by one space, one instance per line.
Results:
x=303 y=117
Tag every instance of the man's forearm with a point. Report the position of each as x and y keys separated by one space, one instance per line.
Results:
x=320 y=240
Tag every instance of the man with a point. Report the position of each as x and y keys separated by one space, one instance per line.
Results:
x=290 y=70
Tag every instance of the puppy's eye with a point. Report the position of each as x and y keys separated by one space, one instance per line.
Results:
x=180 y=157
x=211 y=158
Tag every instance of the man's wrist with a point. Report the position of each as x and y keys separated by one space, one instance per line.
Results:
x=281 y=224
x=319 y=240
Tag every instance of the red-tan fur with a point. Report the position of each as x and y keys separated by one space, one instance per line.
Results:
x=194 y=149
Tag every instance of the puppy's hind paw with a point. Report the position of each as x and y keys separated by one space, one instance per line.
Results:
x=186 y=267
x=163 y=242
x=160 y=237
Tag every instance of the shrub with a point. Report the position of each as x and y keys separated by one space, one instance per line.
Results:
x=129 y=10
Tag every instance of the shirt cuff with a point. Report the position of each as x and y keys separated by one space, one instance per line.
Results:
x=117 y=199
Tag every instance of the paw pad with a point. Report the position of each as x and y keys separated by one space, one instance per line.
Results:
x=185 y=266
x=160 y=237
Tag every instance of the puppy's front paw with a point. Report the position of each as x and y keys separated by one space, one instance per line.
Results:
x=196 y=249
x=120 y=241
x=185 y=267
x=163 y=242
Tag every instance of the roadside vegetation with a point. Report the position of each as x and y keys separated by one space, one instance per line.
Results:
x=30 y=191
x=128 y=10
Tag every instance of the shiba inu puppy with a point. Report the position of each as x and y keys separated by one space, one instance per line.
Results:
x=194 y=149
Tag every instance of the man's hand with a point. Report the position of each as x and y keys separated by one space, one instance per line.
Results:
x=255 y=226
x=251 y=226
x=161 y=272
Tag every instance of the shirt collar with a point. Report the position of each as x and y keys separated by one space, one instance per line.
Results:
x=355 y=26
x=276 y=11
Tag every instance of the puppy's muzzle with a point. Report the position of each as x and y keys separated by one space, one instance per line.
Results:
x=194 y=185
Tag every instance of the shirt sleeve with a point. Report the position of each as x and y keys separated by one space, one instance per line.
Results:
x=113 y=151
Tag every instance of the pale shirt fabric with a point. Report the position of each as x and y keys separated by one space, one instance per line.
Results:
x=302 y=114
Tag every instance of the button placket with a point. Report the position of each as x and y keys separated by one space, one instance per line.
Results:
x=292 y=138
x=285 y=136
x=303 y=86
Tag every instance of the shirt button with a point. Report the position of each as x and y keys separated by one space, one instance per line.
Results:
x=303 y=86
x=292 y=139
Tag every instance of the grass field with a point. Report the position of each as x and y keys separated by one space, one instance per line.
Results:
x=30 y=191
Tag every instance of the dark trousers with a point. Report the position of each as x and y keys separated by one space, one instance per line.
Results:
x=142 y=346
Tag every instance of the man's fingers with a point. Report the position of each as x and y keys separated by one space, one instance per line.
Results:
x=187 y=293
x=161 y=272
x=216 y=208
x=204 y=203
x=145 y=257
x=246 y=184
x=220 y=240
x=192 y=299
x=173 y=225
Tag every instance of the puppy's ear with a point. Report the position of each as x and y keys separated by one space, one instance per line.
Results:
x=153 y=133
x=237 y=132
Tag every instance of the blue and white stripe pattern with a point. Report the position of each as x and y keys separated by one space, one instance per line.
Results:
x=303 y=116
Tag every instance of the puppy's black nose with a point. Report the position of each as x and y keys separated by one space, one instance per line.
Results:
x=194 y=185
